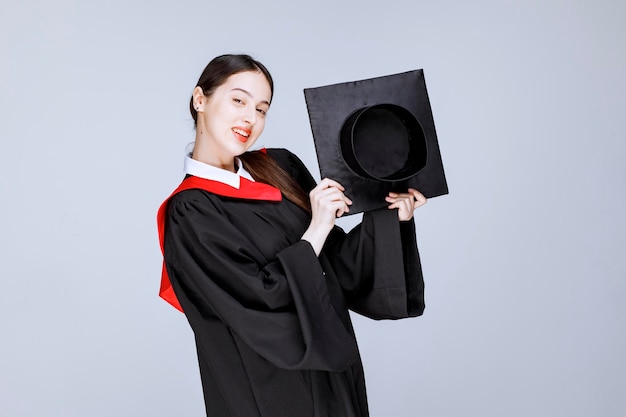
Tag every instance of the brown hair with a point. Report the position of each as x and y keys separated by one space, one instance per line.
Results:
x=258 y=164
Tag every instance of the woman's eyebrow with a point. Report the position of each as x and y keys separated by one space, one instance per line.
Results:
x=246 y=92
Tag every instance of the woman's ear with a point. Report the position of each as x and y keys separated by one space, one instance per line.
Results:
x=199 y=99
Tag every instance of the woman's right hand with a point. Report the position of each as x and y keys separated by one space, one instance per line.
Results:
x=327 y=203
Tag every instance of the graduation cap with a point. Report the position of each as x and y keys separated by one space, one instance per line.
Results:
x=375 y=136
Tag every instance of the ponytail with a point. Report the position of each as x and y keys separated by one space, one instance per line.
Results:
x=265 y=169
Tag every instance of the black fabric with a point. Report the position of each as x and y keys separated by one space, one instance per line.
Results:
x=404 y=152
x=270 y=318
x=395 y=148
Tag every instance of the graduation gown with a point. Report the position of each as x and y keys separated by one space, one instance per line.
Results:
x=270 y=318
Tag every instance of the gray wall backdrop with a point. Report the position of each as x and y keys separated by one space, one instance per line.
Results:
x=524 y=260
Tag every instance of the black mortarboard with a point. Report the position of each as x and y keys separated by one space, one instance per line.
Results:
x=375 y=136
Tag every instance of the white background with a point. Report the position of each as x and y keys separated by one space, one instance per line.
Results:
x=524 y=261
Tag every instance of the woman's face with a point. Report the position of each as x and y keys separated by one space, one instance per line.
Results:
x=232 y=118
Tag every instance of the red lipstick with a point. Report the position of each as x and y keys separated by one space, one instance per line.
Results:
x=241 y=133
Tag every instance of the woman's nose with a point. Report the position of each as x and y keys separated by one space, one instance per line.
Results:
x=250 y=116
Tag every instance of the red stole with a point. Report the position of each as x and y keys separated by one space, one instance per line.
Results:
x=249 y=190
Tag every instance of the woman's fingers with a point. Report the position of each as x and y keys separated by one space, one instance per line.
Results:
x=328 y=199
x=413 y=196
x=336 y=202
x=330 y=191
x=327 y=182
x=406 y=203
x=327 y=203
x=420 y=200
x=328 y=196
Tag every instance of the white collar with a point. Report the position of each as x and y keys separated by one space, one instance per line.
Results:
x=210 y=172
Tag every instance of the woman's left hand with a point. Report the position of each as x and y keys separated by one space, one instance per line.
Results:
x=406 y=203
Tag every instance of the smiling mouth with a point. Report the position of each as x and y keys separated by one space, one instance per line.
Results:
x=241 y=134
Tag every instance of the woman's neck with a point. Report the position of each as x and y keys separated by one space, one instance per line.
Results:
x=204 y=155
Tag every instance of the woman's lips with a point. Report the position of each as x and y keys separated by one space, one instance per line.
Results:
x=242 y=134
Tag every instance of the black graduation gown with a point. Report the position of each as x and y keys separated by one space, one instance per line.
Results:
x=270 y=318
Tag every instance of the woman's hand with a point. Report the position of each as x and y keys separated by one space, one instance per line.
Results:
x=406 y=203
x=327 y=203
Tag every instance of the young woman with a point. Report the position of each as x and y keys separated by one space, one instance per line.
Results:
x=265 y=278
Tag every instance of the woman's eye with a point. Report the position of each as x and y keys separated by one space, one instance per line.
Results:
x=263 y=112
x=238 y=100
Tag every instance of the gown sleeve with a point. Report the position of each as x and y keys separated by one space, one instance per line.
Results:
x=281 y=309
x=377 y=263
x=378 y=266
